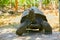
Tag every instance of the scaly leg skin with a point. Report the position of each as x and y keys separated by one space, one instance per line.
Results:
x=22 y=28
x=47 y=27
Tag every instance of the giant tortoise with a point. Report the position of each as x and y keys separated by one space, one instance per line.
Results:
x=33 y=18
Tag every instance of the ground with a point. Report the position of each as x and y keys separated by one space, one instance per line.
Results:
x=8 y=32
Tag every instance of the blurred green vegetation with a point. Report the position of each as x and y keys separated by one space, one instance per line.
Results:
x=27 y=3
x=46 y=2
x=4 y=3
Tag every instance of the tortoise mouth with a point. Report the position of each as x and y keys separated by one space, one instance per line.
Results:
x=33 y=29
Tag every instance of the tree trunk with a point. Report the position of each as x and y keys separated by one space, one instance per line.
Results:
x=16 y=5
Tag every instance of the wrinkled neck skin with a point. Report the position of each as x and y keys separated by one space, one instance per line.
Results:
x=31 y=16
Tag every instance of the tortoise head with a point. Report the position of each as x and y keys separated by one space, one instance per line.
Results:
x=31 y=14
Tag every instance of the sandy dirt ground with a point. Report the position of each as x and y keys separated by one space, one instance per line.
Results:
x=9 y=33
